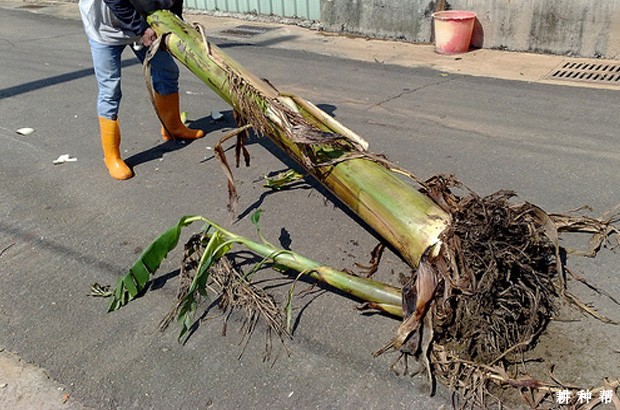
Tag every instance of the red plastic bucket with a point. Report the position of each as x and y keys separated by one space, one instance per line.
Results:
x=453 y=30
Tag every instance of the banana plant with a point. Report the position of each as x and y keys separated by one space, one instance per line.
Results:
x=468 y=253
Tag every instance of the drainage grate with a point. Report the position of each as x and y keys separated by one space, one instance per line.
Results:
x=600 y=73
x=248 y=31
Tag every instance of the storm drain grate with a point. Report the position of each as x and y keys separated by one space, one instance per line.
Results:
x=587 y=71
x=248 y=31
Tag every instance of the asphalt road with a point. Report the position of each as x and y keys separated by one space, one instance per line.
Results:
x=64 y=227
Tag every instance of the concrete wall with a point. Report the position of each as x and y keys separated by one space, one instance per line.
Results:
x=398 y=19
x=586 y=28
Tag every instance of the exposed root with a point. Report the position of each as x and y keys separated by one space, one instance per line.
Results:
x=503 y=292
x=604 y=231
x=238 y=294
x=375 y=259
x=191 y=257
x=494 y=286
x=234 y=292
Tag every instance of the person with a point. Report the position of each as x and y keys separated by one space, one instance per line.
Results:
x=112 y=25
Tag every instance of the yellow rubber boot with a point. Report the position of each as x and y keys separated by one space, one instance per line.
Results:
x=168 y=108
x=111 y=141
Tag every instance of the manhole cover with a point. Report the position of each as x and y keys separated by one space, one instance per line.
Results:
x=247 y=30
x=587 y=71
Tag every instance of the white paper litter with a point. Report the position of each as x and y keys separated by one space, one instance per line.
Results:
x=216 y=115
x=64 y=158
x=25 y=131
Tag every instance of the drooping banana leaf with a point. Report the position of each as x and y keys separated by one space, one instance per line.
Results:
x=134 y=281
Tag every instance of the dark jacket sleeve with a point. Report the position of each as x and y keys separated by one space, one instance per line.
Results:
x=129 y=17
x=177 y=8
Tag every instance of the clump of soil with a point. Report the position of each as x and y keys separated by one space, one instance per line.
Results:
x=498 y=281
x=506 y=289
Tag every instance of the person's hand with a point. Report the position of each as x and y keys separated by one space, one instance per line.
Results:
x=148 y=37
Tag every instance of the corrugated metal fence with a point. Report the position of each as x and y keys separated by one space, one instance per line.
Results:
x=307 y=9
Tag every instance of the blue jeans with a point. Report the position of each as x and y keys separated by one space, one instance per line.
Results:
x=107 y=65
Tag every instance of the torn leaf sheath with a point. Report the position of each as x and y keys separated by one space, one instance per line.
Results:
x=407 y=219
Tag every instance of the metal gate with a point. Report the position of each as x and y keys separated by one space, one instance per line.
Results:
x=306 y=9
